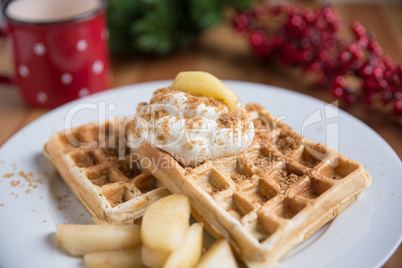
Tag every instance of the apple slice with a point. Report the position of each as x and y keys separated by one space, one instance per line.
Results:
x=154 y=258
x=125 y=258
x=188 y=254
x=78 y=239
x=205 y=84
x=166 y=222
x=219 y=254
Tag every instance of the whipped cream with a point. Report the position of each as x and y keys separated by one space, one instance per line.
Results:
x=191 y=128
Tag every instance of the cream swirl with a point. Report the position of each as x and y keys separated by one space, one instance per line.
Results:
x=191 y=128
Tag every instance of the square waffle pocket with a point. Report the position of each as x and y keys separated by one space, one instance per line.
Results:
x=113 y=189
x=269 y=198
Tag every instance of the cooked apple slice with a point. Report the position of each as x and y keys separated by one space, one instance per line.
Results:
x=126 y=258
x=154 y=258
x=78 y=239
x=205 y=84
x=219 y=254
x=188 y=254
x=165 y=222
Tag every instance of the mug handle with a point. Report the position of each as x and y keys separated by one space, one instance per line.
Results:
x=7 y=79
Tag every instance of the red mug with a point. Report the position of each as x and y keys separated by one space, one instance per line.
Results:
x=60 y=49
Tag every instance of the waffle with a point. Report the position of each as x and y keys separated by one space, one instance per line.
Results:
x=269 y=198
x=102 y=174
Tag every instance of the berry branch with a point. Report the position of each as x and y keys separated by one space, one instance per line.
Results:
x=356 y=70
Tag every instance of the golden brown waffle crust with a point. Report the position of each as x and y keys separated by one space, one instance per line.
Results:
x=93 y=197
x=261 y=233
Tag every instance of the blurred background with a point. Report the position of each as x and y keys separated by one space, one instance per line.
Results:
x=349 y=51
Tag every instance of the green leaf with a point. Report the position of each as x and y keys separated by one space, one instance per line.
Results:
x=160 y=26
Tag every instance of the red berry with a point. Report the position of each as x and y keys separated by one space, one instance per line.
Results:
x=340 y=81
x=388 y=62
x=393 y=89
x=305 y=42
x=338 y=91
x=330 y=14
x=307 y=56
x=377 y=73
x=358 y=54
x=367 y=71
x=298 y=22
x=358 y=30
x=399 y=70
x=353 y=47
x=398 y=107
x=309 y=16
x=314 y=66
x=345 y=56
x=256 y=39
x=363 y=42
x=277 y=40
x=368 y=98
x=242 y=20
x=375 y=47
x=388 y=74
x=382 y=84
x=370 y=83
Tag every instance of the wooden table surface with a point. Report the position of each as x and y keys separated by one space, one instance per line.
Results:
x=225 y=54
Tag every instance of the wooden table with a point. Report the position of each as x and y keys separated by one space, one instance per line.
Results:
x=227 y=55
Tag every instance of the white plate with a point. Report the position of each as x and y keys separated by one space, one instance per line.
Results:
x=364 y=235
